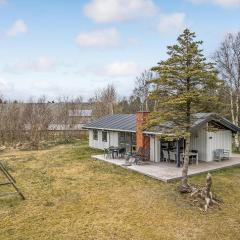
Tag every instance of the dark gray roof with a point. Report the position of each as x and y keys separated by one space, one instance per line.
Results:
x=117 y=122
x=127 y=122
x=198 y=120
x=202 y=118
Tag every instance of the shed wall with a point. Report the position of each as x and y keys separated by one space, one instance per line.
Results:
x=207 y=142
x=218 y=140
x=198 y=141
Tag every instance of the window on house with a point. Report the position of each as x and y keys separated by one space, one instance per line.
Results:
x=104 y=136
x=133 y=138
x=121 y=139
x=95 y=134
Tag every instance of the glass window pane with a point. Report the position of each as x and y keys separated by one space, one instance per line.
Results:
x=104 y=136
x=95 y=134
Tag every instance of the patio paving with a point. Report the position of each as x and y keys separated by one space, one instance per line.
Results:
x=168 y=171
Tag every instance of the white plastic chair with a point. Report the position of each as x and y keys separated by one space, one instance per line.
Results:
x=172 y=156
x=165 y=155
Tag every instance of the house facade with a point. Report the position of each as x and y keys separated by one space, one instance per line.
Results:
x=125 y=130
x=117 y=130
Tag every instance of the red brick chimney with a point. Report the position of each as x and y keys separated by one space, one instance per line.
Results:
x=142 y=141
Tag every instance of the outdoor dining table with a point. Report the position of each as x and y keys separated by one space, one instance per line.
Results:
x=114 y=151
x=191 y=154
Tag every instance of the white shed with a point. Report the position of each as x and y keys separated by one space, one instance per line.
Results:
x=203 y=141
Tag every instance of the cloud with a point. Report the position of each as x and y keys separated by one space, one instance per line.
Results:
x=43 y=64
x=120 y=69
x=105 y=11
x=222 y=3
x=99 y=38
x=113 y=69
x=171 y=22
x=18 y=27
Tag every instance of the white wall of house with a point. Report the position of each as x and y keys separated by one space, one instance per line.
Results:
x=155 y=150
x=112 y=140
x=152 y=148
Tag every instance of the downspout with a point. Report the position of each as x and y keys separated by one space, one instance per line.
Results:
x=178 y=153
x=154 y=150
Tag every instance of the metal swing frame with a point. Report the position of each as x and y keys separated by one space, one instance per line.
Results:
x=10 y=181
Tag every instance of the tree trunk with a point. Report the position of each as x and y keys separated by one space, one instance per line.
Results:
x=236 y=141
x=184 y=187
x=146 y=105
x=237 y=107
x=206 y=192
x=111 y=108
x=232 y=107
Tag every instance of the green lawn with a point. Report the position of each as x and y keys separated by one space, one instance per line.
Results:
x=70 y=196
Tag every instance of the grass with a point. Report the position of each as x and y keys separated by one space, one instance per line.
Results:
x=70 y=196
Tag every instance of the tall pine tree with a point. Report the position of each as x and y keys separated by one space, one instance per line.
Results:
x=186 y=85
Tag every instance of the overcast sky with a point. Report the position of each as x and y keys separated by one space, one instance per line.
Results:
x=73 y=47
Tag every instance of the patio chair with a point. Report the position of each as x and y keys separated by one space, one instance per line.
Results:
x=113 y=151
x=107 y=153
x=172 y=156
x=121 y=152
x=193 y=157
x=146 y=155
x=165 y=155
x=127 y=156
x=137 y=160
x=220 y=154
x=138 y=156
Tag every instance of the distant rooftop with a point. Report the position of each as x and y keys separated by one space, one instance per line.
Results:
x=80 y=113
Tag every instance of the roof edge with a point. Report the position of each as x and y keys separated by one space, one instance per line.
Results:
x=108 y=129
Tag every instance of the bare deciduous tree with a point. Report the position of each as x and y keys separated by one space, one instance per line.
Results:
x=227 y=58
x=67 y=116
x=37 y=118
x=105 y=101
x=143 y=87
x=10 y=121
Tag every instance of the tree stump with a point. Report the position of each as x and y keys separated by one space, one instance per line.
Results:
x=205 y=193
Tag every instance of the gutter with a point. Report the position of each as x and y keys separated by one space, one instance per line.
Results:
x=109 y=129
